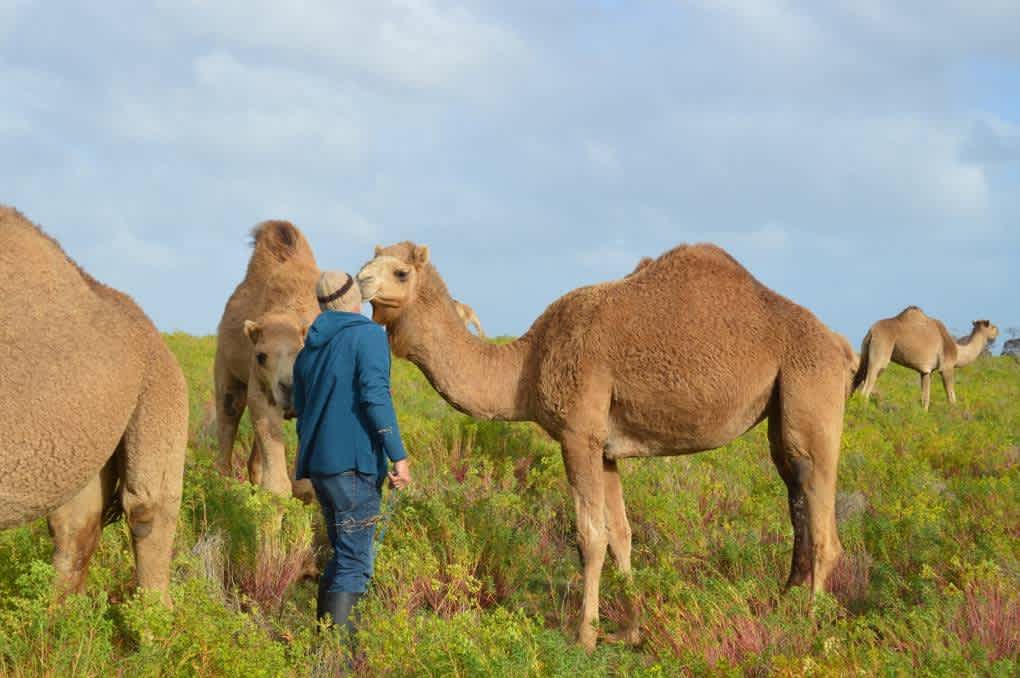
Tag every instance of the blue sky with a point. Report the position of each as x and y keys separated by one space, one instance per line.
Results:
x=856 y=157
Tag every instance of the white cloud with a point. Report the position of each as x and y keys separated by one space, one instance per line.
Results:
x=775 y=23
x=127 y=249
x=411 y=42
x=237 y=107
x=602 y=157
x=9 y=14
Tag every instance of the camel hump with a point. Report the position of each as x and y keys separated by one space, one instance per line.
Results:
x=910 y=311
x=279 y=239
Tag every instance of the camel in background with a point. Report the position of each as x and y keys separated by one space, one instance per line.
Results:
x=93 y=407
x=260 y=334
x=923 y=344
x=682 y=356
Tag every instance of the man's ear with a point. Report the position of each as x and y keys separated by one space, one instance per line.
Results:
x=252 y=331
x=420 y=255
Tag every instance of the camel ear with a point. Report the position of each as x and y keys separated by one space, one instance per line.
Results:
x=420 y=255
x=378 y=250
x=252 y=331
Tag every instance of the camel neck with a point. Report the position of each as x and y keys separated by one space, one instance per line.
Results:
x=479 y=378
x=969 y=350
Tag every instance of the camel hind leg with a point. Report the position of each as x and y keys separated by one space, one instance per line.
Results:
x=807 y=444
x=77 y=526
x=620 y=546
x=879 y=353
x=792 y=473
x=155 y=444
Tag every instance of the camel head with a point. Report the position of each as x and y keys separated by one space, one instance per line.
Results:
x=986 y=329
x=276 y=340
x=393 y=279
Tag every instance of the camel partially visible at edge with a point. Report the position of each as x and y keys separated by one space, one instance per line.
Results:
x=913 y=339
x=93 y=406
x=260 y=334
x=683 y=355
x=468 y=316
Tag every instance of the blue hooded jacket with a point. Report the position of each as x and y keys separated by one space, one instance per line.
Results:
x=345 y=416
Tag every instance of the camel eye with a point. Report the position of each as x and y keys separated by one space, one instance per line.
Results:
x=261 y=357
x=402 y=275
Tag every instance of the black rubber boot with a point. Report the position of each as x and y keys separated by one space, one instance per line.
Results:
x=339 y=605
x=320 y=601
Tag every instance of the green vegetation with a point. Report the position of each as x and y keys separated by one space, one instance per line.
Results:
x=478 y=573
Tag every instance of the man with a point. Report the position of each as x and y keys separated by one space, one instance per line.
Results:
x=347 y=430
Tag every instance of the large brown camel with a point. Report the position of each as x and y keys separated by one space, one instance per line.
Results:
x=681 y=356
x=93 y=406
x=923 y=344
x=260 y=334
x=468 y=316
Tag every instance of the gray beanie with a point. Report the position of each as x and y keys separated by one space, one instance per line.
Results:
x=337 y=291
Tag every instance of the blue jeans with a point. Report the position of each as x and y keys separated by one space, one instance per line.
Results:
x=350 y=504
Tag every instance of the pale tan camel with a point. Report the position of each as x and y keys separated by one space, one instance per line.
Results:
x=262 y=330
x=468 y=316
x=93 y=406
x=923 y=344
x=682 y=357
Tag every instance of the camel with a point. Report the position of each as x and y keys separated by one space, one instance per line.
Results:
x=94 y=409
x=923 y=344
x=260 y=334
x=469 y=317
x=683 y=356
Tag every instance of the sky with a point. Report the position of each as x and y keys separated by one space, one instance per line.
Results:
x=856 y=156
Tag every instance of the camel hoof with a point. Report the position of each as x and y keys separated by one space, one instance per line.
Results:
x=630 y=637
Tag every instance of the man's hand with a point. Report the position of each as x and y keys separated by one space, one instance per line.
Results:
x=400 y=476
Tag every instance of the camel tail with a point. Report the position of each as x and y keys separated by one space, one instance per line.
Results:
x=862 y=369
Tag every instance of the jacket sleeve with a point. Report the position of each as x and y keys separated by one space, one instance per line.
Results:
x=374 y=385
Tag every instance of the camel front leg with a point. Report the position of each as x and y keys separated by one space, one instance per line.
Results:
x=231 y=399
x=267 y=421
x=255 y=463
x=620 y=545
x=584 y=472
x=949 y=381
x=925 y=390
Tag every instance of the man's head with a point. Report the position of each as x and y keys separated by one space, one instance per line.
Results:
x=337 y=291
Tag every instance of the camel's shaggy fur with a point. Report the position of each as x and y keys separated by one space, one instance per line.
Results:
x=683 y=355
x=923 y=344
x=94 y=407
x=262 y=330
x=469 y=317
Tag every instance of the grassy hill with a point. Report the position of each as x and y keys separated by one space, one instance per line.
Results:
x=478 y=571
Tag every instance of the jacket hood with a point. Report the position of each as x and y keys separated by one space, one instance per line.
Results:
x=331 y=323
